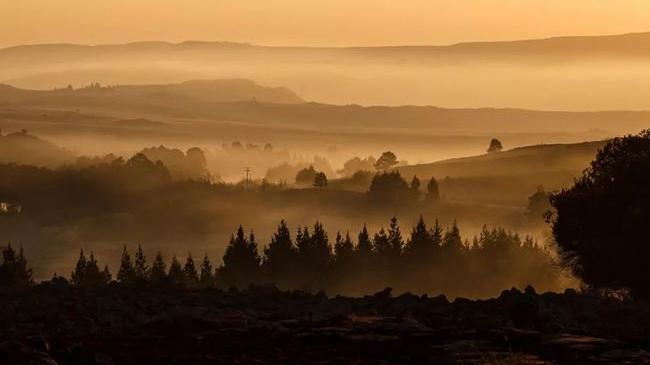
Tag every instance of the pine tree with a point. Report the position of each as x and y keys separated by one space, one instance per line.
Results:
x=189 y=272
x=315 y=256
x=436 y=235
x=79 y=272
x=452 y=242
x=364 y=247
x=381 y=245
x=395 y=238
x=241 y=261
x=176 y=275
x=420 y=244
x=107 y=277
x=126 y=273
x=23 y=273
x=141 y=271
x=433 y=194
x=343 y=250
x=158 y=273
x=280 y=256
x=414 y=187
x=207 y=275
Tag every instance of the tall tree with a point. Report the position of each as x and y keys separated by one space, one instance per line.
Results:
x=189 y=272
x=433 y=194
x=452 y=241
x=241 y=262
x=79 y=272
x=175 y=274
x=364 y=247
x=414 y=187
x=126 y=273
x=420 y=244
x=315 y=255
x=280 y=257
x=207 y=274
x=141 y=271
x=343 y=250
x=158 y=272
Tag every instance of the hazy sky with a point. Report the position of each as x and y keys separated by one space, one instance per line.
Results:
x=314 y=22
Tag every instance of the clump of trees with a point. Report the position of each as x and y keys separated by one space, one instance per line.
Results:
x=601 y=221
x=389 y=187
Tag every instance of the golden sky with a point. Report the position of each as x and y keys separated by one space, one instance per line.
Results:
x=314 y=22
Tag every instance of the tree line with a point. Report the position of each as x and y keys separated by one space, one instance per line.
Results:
x=430 y=259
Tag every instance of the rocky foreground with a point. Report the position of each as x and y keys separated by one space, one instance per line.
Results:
x=61 y=325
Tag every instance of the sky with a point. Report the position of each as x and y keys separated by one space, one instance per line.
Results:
x=314 y=22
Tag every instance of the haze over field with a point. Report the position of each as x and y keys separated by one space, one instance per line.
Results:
x=180 y=123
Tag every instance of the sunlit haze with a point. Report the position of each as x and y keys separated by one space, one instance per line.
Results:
x=314 y=22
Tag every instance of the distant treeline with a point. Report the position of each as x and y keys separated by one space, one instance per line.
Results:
x=431 y=260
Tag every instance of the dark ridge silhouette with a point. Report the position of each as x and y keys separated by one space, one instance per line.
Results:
x=198 y=91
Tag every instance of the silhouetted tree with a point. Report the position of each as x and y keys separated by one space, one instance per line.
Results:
x=420 y=246
x=126 y=273
x=343 y=250
x=241 y=262
x=14 y=273
x=175 y=274
x=414 y=187
x=602 y=220
x=433 y=195
x=315 y=256
x=207 y=275
x=79 y=272
x=395 y=238
x=280 y=257
x=452 y=241
x=386 y=161
x=364 y=247
x=495 y=146
x=189 y=272
x=158 y=274
x=320 y=180
x=141 y=271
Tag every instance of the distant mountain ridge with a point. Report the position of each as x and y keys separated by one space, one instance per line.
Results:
x=204 y=91
x=620 y=45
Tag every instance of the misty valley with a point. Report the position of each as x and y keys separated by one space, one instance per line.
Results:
x=285 y=205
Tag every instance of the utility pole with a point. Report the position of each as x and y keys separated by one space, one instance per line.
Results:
x=248 y=170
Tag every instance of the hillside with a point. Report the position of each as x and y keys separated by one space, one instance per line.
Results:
x=24 y=148
x=509 y=177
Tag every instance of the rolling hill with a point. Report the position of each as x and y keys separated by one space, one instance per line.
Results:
x=508 y=177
